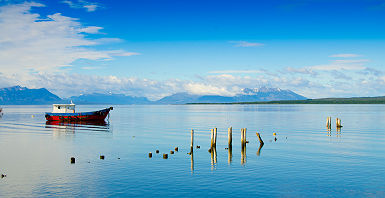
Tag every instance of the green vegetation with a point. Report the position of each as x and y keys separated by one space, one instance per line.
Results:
x=358 y=100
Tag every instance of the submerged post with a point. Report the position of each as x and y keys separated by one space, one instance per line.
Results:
x=230 y=136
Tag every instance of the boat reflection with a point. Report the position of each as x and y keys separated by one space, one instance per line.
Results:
x=77 y=123
x=69 y=127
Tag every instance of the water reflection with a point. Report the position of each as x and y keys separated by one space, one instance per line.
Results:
x=259 y=149
x=338 y=132
x=243 y=154
x=213 y=157
x=192 y=161
x=70 y=127
x=230 y=156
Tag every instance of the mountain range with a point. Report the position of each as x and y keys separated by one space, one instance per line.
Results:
x=18 y=95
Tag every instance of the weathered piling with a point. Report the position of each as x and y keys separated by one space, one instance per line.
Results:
x=192 y=141
x=102 y=157
x=338 y=123
x=165 y=156
x=171 y=152
x=230 y=136
x=176 y=149
x=260 y=139
x=157 y=151
x=212 y=138
x=150 y=155
x=243 y=136
x=72 y=160
x=215 y=136
x=329 y=123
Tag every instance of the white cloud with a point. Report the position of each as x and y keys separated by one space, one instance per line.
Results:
x=344 y=55
x=342 y=65
x=236 y=71
x=246 y=44
x=89 y=6
x=37 y=43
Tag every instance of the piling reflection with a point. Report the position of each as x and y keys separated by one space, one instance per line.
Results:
x=192 y=161
x=243 y=154
x=230 y=154
x=213 y=158
x=259 y=149
x=338 y=132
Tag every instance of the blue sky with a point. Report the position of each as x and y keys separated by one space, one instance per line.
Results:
x=317 y=48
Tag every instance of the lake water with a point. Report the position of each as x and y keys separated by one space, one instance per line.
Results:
x=305 y=160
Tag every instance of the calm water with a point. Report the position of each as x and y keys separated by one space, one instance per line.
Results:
x=305 y=161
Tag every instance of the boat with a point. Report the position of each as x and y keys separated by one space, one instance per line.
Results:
x=66 y=112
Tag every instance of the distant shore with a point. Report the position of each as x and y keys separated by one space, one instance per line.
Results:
x=357 y=100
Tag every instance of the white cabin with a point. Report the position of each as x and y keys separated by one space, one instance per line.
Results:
x=63 y=108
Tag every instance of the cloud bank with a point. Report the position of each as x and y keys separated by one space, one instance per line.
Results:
x=46 y=43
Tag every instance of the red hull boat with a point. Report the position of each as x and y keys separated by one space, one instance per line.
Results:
x=67 y=113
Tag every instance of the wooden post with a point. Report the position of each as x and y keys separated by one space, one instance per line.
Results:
x=215 y=137
x=212 y=138
x=260 y=139
x=192 y=140
x=338 y=123
x=150 y=155
x=329 y=123
x=72 y=160
x=165 y=156
x=242 y=136
x=230 y=136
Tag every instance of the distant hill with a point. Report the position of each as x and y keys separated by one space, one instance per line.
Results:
x=247 y=95
x=21 y=95
x=354 y=100
x=97 y=98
